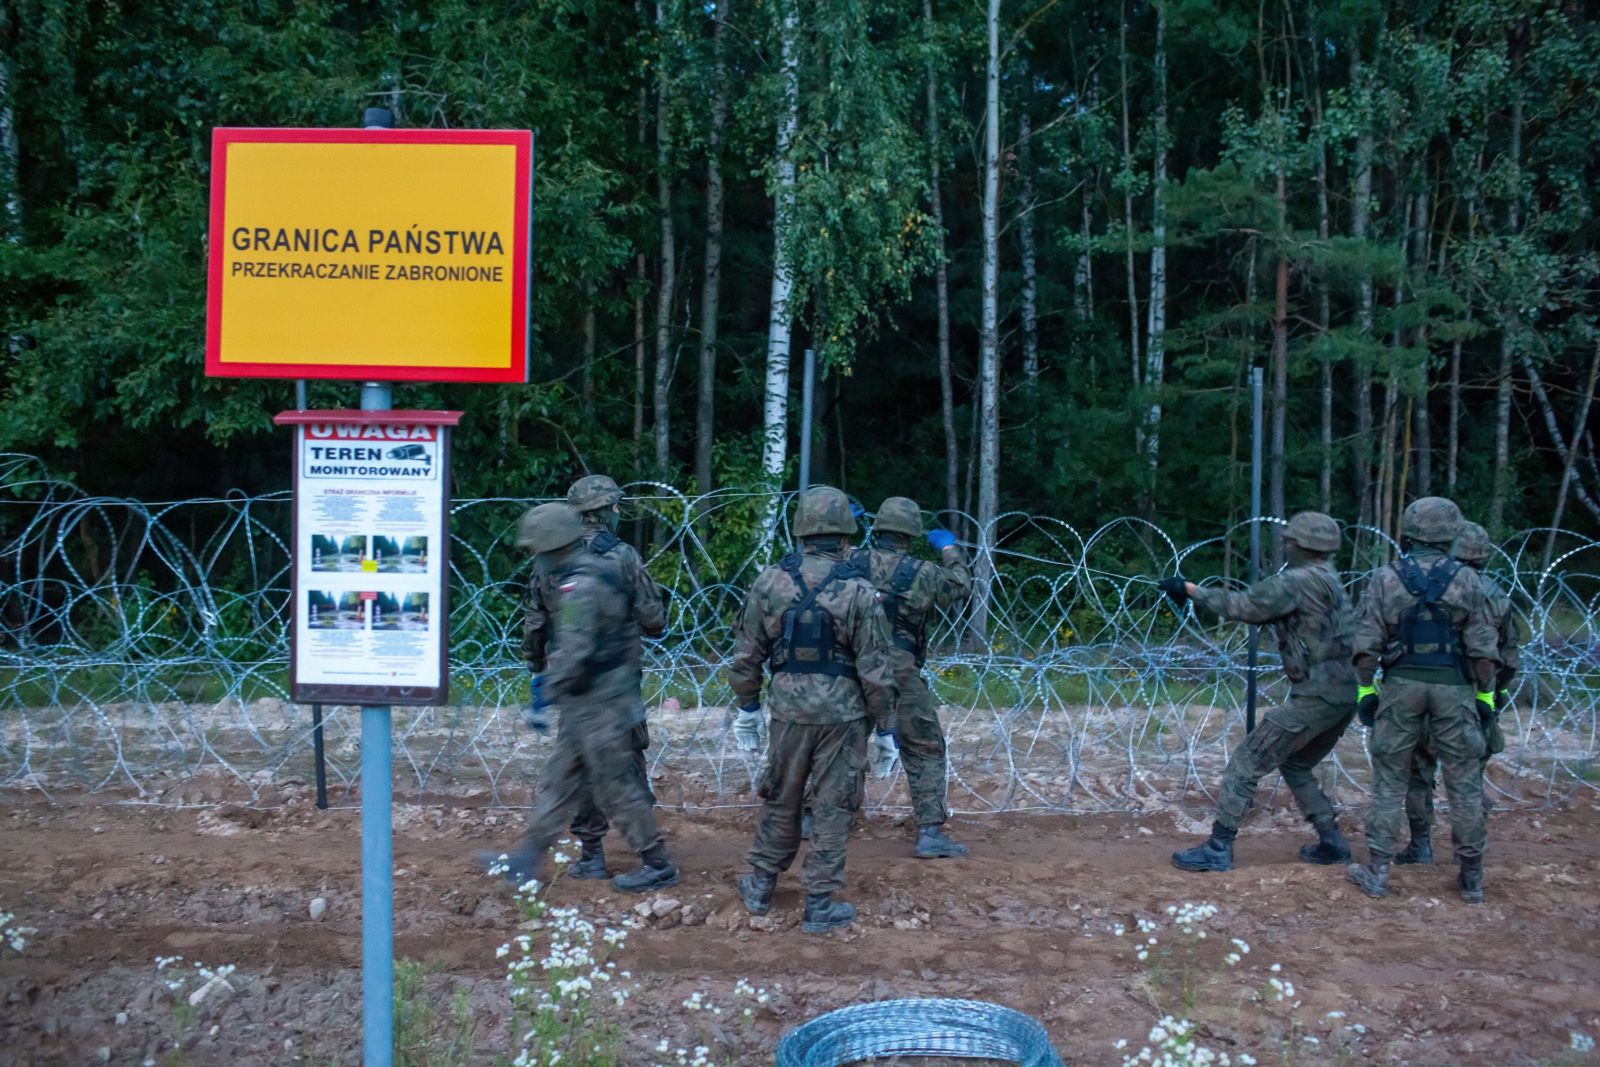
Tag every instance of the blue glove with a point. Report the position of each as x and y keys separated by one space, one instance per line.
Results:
x=533 y=716
x=940 y=538
x=856 y=510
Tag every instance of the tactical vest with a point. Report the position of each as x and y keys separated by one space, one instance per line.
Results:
x=617 y=640
x=809 y=643
x=900 y=581
x=1427 y=639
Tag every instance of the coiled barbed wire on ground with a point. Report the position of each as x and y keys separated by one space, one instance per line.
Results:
x=144 y=645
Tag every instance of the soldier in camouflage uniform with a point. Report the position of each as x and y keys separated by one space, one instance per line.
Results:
x=595 y=497
x=591 y=675
x=909 y=590
x=1425 y=621
x=814 y=624
x=1472 y=549
x=1308 y=610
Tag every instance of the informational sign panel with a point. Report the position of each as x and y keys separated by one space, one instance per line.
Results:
x=374 y=255
x=370 y=556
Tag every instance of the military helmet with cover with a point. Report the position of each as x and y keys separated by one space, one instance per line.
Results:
x=1432 y=520
x=548 y=527
x=1313 y=531
x=593 y=492
x=821 y=511
x=1472 y=543
x=898 y=514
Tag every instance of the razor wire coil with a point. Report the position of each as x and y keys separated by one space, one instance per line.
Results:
x=145 y=644
x=961 y=1029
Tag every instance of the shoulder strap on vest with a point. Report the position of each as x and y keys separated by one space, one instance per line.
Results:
x=603 y=542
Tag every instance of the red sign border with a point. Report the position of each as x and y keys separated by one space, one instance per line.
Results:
x=521 y=256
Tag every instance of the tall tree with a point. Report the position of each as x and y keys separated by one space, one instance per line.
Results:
x=989 y=335
x=711 y=283
x=780 y=319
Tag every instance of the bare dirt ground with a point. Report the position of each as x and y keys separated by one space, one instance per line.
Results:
x=1027 y=921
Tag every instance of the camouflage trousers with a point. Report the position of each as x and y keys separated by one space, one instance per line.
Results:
x=1446 y=717
x=922 y=749
x=1292 y=740
x=833 y=757
x=597 y=760
x=1425 y=772
x=589 y=825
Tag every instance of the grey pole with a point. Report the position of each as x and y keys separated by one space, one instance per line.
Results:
x=377 y=833
x=807 y=398
x=1255 y=540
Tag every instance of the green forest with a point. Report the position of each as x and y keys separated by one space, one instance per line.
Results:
x=1036 y=245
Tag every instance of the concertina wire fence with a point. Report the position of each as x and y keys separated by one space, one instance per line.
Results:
x=144 y=646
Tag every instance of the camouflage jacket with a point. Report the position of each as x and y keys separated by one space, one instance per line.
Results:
x=648 y=612
x=931 y=586
x=1387 y=600
x=593 y=656
x=1311 y=616
x=861 y=633
x=1508 y=629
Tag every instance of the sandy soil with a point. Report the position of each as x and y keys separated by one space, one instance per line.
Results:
x=1027 y=921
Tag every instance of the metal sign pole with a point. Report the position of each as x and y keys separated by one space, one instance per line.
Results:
x=377 y=854
x=807 y=398
x=1255 y=541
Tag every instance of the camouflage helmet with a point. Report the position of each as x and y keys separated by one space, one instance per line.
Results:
x=898 y=514
x=593 y=492
x=548 y=527
x=823 y=510
x=1313 y=531
x=1432 y=520
x=1472 y=543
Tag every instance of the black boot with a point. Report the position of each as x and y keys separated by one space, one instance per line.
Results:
x=1420 y=850
x=1330 y=847
x=1373 y=877
x=1215 y=853
x=1471 y=879
x=934 y=843
x=657 y=872
x=823 y=913
x=591 y=862
x=517 y=866
x=755 y=889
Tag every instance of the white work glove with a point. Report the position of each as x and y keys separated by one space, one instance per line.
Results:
x=884 y=755
x=750 y=729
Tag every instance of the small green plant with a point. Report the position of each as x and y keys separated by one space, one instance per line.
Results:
x=416 y=1043
x=189 y=986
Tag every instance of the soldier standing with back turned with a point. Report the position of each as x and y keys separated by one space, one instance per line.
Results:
x=814 y=624
x=909 y=590
x=1425 y=621
x=1472 y=549
x=592 y=678
x=595 y=497
x=1306 y=606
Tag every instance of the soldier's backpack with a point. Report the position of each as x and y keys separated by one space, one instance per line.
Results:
x=890 y=599
x=1427 y=639
x=808 y=643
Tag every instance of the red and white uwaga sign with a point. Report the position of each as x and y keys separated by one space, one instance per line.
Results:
x=371 y=556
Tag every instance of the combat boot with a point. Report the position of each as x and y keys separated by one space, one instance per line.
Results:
x=755 y=889
x=1471 y=879
x=823 y=913
x=1330 y=847
x=657 y=872
x=1420 y=850
x=591 y=863
x=934 y=843
x=1215 y=853
x=517 y=866
x=1373 y=877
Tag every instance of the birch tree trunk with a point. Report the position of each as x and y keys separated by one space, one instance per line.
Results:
x=667 y=281
x=1508 y=329
x=711 y=287
x=1127 y=222
x=1585 y=399
x=1422 y=432
x=10 y=180
x=1547 y=409
x=941 y=276
x=1360 y=208
x=1030 y=303
x=1324 y=297
x=989 y=337
x=1155 y=361
x=775 y=408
